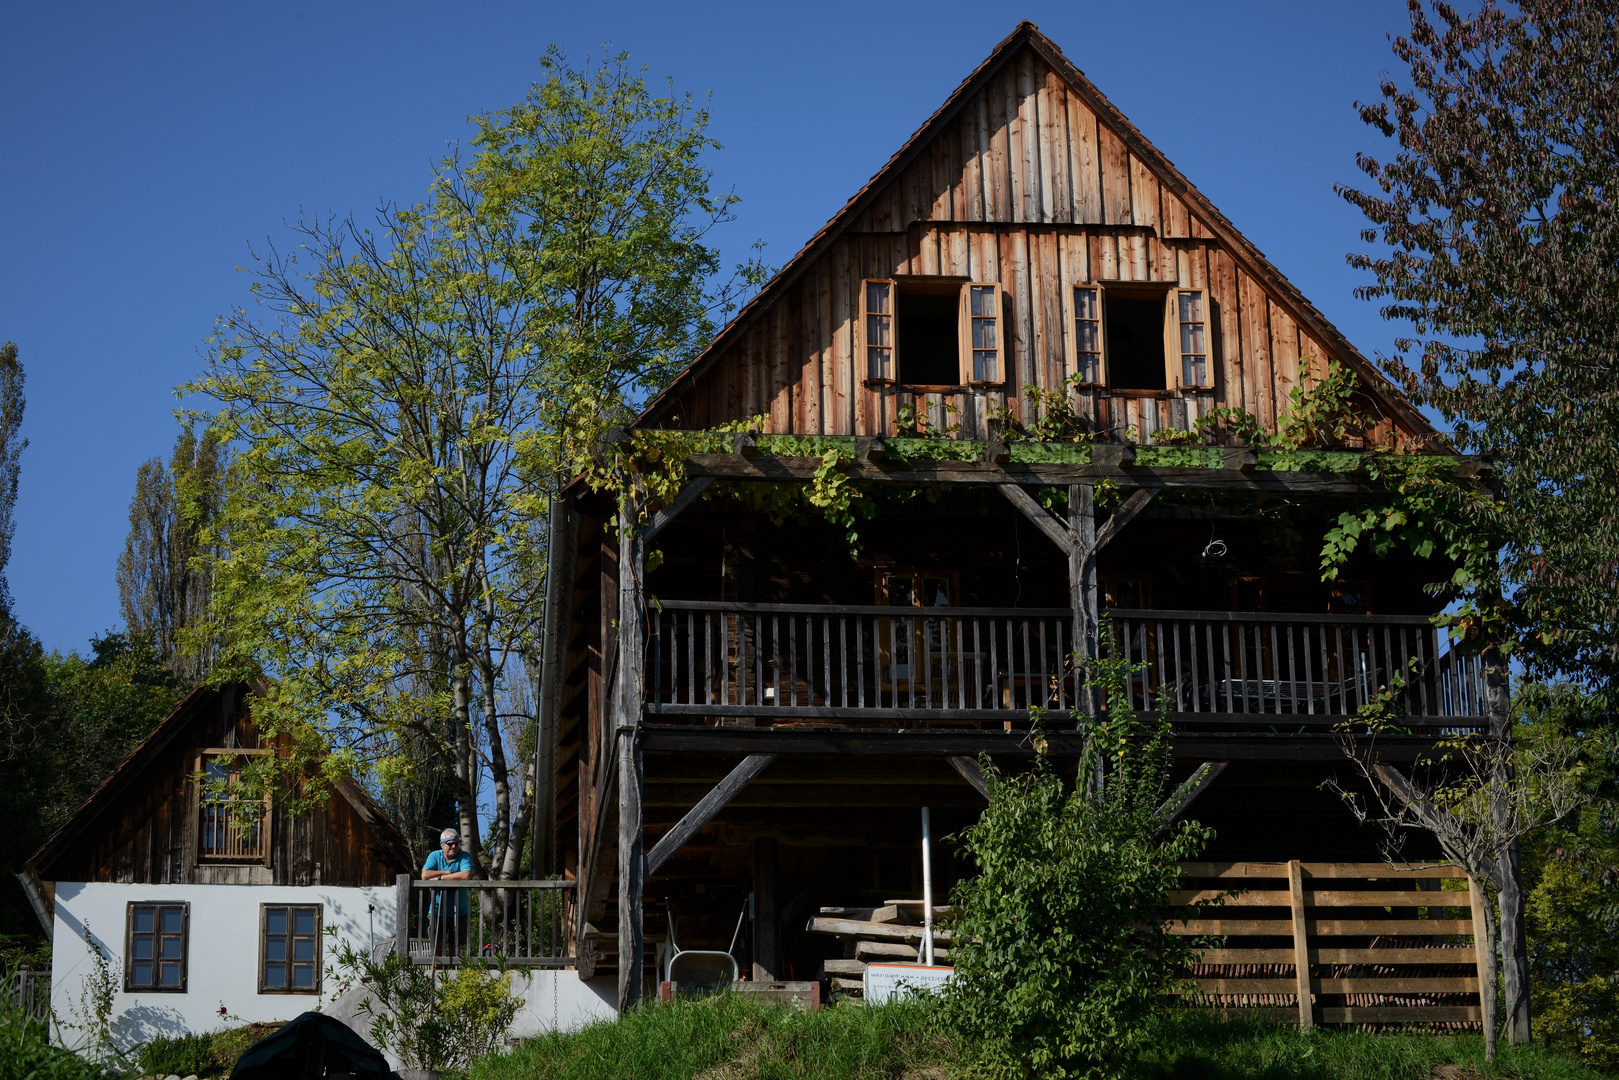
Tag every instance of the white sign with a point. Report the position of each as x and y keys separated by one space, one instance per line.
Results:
x=884 y=981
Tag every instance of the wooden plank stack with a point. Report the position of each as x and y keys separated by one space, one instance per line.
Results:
x=1360 y=944
x=889 y=934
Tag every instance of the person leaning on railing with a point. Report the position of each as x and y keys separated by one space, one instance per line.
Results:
x=449 y=863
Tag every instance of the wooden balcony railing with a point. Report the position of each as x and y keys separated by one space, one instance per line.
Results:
x=980 y=666
x=454 y=923
x=233 y=830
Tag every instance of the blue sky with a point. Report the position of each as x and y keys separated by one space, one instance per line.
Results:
x=148 y=145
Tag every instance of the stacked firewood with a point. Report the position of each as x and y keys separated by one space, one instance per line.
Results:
x=889 y=934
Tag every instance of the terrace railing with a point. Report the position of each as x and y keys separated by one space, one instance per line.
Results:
x=809 y=664
x=233 y=830
x=456 y=923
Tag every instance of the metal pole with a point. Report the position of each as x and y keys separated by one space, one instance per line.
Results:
x=927 y=889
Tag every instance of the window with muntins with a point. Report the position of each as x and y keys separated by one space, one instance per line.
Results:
x=289 y=948
x=232 y=826
x=1140 y=336
x=155 y=948
x=932 y=333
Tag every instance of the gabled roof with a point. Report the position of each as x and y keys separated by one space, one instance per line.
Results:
x=1027 y=35
x=197 y=704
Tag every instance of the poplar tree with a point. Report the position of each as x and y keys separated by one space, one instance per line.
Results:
x=12 y=445
x=164 y=573
x=404 y=399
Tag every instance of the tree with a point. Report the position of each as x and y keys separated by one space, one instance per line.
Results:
x=164 y=572
x=1478 y=795
x=410 y=402
x=1061 y=950
x=1500 y=233
x=12 y=445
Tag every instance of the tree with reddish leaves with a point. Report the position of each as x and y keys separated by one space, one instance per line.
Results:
x=1499 y=246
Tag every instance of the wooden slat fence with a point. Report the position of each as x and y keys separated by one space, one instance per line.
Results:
x=1336 y=943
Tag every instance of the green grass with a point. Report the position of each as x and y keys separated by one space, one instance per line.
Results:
x=732 y=1038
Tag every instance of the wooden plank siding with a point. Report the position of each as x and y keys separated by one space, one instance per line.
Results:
x=141 y=826
x=1029 y=178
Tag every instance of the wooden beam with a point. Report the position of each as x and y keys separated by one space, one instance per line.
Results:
x=970 y=772
x=688 y=495
x=766 y=928
x=924 y=473
x=627 y=732
x=1082 y=592
x=701 y=814
x=1194 y=785
x=1301 y=945
x=1054 y=529
x=1125 y=514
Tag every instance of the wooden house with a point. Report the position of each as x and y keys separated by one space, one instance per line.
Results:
x=198 y=899
x=751 y=721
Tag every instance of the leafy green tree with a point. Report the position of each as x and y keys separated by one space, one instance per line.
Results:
x=164 y=571
x=1571 y=878
x=1061 y=951
x=1500 y=234
x=402 y=404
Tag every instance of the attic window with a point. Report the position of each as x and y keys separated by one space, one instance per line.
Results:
x=1142 y=337
x=232 y=826
x=932 y=333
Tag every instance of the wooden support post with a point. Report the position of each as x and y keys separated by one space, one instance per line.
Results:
x=766 y=929
x=402 y=917
x=561 y=537
x=627 y=724
x=1509 y=878
x=1301 y=944
x=1082 y=595
x=1483 y=952
x=701 y=814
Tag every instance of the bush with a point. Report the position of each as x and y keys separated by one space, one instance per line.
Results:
x=183 y=1055
x=26 y=1052
x=1061 y=949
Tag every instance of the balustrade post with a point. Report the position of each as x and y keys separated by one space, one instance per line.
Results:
x=402 y=917
x=627 y=725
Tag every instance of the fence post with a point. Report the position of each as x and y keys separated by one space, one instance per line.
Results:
x=1301 y=944
x=402 y=914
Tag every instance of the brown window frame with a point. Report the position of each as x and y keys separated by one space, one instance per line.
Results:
x=262 y=858
x=291 y=938
x=1174 y=357
x=157 y=907
x=891 y=373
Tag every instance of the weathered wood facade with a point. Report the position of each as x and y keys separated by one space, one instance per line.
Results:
x=1027 y=177
x=142 y=825
x=788 y=703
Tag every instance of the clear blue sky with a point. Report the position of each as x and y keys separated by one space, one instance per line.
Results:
x=148 y=144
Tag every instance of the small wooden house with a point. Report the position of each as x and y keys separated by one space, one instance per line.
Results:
x=748 y=725
x=198 y=900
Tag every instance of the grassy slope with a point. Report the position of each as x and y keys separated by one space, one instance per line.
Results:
x=730 y=1038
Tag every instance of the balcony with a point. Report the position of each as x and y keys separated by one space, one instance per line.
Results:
x=809 y=666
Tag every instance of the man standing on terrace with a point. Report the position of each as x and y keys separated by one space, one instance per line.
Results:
x=449 y=863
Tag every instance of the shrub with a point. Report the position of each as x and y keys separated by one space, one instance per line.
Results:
x=183 y=1055
x=26 y=1052
x=1061 y=947
x=432 y=1019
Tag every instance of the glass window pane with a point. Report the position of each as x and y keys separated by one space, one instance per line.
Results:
x=143 y=920
x=171 y=948
x=169 y=974
x=143 y=947
x=275 y=921
x=877 y=330
x=171 y=920
x=983 y=333
x=877 y=297
x=1192 y=337
x=1195 y=371
x=275 y=948
x=141 y=973
x=303 y=948
x=984 y=366
x=303 y=976
x=1191 y=307
x=275 y=976
x=983 y=300
x=1086 y=337
x=1087 y=368
x=304 y=921
x=1085 y=303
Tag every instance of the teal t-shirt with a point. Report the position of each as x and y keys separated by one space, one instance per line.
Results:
x=462 y=861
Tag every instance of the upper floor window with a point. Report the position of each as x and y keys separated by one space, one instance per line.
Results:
x=1140 y=336
x=155 y=956
x=232 y=825
x=932 y=332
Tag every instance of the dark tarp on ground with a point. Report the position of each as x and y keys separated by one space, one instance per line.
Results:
x=310 y=1046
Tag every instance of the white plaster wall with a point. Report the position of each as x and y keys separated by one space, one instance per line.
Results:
x=560 y=1001
x=222 y=952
